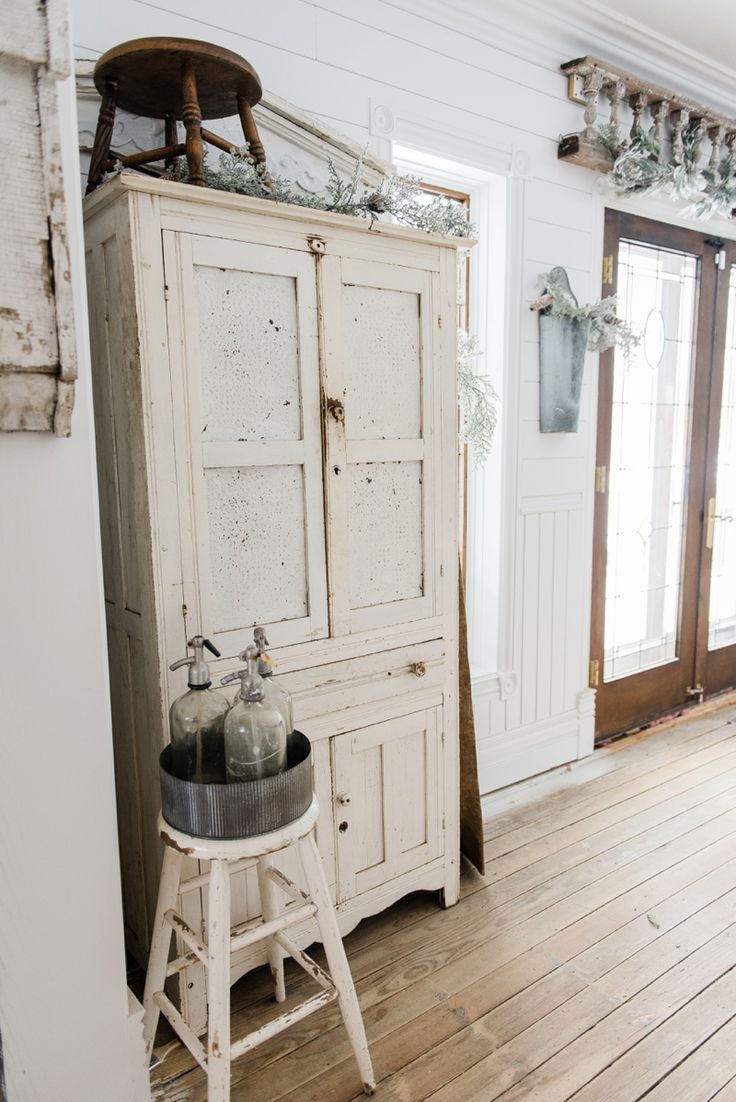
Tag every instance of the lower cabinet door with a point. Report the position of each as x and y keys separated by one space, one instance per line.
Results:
x=388 y=800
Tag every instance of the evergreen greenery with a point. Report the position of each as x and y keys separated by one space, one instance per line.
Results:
x=639 y=170
x=477 y=399
x=606 y=328
x=397 y=196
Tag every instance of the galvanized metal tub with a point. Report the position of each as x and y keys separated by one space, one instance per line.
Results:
x=239 y=810
x=562 y=346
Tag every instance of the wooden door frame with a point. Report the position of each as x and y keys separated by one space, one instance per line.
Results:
x=657 y=691
x=714 y=670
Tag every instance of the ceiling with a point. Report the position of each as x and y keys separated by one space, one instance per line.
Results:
x=707 y=27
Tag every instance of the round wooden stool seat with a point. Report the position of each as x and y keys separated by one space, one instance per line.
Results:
x=148 y=71
x=177 y=80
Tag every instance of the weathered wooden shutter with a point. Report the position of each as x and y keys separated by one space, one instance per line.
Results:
x=37 y=342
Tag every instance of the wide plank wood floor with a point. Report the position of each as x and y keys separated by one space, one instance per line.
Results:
x=596 y=960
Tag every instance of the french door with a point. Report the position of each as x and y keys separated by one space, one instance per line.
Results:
x=664 y=570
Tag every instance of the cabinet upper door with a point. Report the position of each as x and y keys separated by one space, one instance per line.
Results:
x=381 y=407
x=245 y=389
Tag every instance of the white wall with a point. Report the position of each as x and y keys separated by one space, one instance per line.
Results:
x=485 y=91
x=63 y=1004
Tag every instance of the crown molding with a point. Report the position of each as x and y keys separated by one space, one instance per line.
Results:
x=550 y=35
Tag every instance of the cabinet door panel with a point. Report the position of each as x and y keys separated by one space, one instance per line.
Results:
x=379 y=321
x=388 y=799
x=245 y=375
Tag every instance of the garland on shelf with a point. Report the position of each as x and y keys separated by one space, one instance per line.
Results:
x=639 y=168
x=398 y=197
x=606 y=328
x=477 y=399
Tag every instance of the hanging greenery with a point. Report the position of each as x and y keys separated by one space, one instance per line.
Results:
x=640 y=169
x=477 y=399
x=606 y=328
x=399 y=197
x=637 y=169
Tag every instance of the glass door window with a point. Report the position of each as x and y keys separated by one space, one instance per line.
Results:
x=649 y=461
x=663 y=626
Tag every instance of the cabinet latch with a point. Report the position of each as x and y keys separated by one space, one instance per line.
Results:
x=335 y=407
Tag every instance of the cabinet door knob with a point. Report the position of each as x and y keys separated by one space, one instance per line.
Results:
x=343 y=799
x=418 y=669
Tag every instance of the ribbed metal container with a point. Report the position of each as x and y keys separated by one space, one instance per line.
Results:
x=239 y=810
x=562 y=346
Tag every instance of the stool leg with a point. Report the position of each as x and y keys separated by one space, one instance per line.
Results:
x=218 y=977
x=270 y=907
x=160 y=942
x=192 y=119
x=170 y=137
x=336 y=958
x=103 y=136
x=250 y=132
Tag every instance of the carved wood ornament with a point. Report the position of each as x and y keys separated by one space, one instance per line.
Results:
x=665 y=117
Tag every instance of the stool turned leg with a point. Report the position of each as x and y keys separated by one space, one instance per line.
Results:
x=170 y=137
x=218 y=998
x=252 y=137
x=192 y=119
x=103 y=136
x=250 y=132
x=270 y=907
x=336 y=958
x=160 y=942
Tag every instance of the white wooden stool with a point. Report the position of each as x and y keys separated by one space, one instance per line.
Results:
x=222 y=941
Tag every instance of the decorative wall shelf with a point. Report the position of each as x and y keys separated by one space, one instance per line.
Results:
x=684 y=146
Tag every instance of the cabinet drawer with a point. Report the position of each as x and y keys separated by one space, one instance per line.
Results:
x=388 y=800
x=338 y=686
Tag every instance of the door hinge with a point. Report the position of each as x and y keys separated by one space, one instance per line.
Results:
x=607 y=275
x=600 y=480
x=696 y=692
x=594 y=673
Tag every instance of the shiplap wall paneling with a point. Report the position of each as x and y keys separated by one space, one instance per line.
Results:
x=376 y=73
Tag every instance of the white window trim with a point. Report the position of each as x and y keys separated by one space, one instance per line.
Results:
x=487 y=310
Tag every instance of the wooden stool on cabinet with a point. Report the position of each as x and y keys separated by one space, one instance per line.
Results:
x=222 y=941
x=173 y=79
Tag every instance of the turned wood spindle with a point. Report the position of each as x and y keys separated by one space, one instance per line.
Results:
x=616 y=93
x=592 y=84
x=716 y=135
x=170 y=136
x=679 y=121
x=637 y=103
x=731 y=151
x=660 y=114
x=250 y=132
x=103 y=135
x=192 y=119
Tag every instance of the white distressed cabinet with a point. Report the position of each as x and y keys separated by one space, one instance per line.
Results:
x=276 y=429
